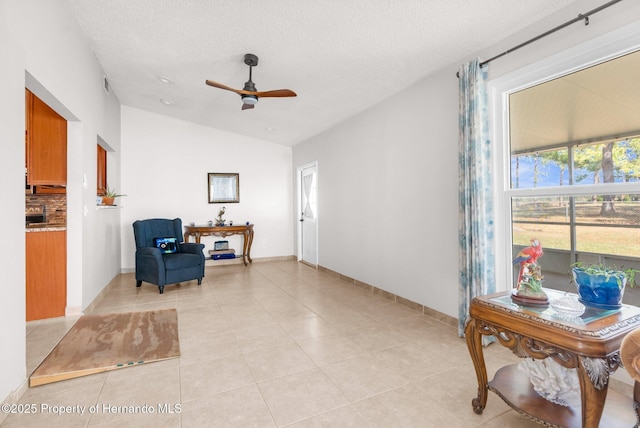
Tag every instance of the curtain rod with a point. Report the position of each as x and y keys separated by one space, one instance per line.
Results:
x=581 y=17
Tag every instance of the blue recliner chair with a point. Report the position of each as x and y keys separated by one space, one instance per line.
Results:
x=161 y=256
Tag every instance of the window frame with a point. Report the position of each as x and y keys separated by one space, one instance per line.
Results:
x=606 y=47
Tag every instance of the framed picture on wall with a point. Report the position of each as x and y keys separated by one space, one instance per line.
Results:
x=224 y=188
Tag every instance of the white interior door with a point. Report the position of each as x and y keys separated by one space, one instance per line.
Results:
x=309 y=215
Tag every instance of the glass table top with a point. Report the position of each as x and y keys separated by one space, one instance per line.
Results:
x=590 y=314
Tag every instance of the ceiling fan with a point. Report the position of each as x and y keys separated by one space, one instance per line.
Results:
x=249 y=93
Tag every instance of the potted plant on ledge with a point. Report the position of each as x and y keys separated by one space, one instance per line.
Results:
x=109 y=196
x=601 y=286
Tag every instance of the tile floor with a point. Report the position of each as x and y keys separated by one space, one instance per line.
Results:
x=275 y=344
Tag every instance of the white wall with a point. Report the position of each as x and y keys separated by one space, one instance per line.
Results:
x=12 y=304
x=164 y=174
x=600 y=23
x=41 y=47
x=387 y=192
x=388 y=204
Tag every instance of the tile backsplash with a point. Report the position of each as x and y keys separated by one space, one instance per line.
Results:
x=56 y=206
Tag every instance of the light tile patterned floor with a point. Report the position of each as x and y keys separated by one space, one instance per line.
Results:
x=274 y=344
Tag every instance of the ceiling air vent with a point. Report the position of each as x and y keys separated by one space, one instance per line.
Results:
x=106 y=85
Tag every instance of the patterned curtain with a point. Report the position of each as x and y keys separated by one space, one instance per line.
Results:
x=475 y=230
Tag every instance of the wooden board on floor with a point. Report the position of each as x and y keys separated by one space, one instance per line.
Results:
x=99 y=343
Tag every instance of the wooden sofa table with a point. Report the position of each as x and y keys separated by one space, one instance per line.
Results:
x=245 y=230
x=589 y=343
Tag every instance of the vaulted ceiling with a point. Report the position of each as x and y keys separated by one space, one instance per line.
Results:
x=340 y=57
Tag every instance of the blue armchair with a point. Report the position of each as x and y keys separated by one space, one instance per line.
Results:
x=167 y=263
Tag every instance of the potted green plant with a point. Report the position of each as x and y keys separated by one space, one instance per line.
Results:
x=109 y=196
x=601 y=286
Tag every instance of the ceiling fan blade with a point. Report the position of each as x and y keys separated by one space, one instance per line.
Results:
x=276 y=93
x=225 y=87
x=249 y=93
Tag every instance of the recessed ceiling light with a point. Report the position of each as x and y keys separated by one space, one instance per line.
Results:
x=270 y=129
x=166 y=102
x=165 y=79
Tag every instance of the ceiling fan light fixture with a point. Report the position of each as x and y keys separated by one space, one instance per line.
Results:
x=250 y=99
x=249 y=94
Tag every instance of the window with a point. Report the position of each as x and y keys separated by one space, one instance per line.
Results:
x=610 y=162
x=102 y=170
x=574 y=169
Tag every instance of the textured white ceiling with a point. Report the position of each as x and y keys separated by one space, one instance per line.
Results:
x=340 y=56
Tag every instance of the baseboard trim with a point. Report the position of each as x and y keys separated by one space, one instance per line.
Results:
x=238 y=260
x=91 y=306
x=444 y=318
x=13 y=398
x=72 y=311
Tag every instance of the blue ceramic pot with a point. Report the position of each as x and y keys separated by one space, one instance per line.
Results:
x=602 y=291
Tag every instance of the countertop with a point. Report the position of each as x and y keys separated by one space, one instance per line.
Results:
x=45 y=227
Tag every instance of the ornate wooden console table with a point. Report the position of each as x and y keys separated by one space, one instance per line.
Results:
x=245 y=230
x=589 y=343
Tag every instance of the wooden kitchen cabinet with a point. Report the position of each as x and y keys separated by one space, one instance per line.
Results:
x=46 y=143
x=46 y=274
